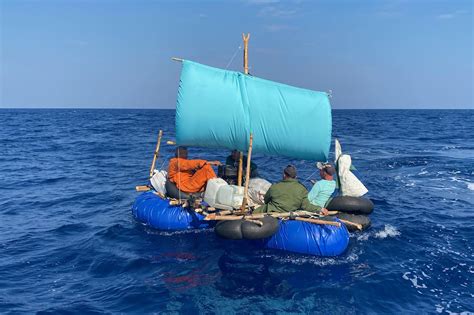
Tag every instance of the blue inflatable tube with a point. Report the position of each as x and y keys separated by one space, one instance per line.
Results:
x=308 y=238
x=157 y=212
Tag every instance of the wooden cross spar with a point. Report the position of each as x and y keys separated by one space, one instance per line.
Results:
x=280 y=215
x=226 y=215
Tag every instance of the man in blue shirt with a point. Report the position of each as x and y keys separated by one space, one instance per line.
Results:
x=323 y=189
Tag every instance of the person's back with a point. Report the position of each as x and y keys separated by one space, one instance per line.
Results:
x=321 y=192
x=324 y=188
x=284 y=196
x=287 y=195
x=189 y=175
x=180 y=170
x=233 y=160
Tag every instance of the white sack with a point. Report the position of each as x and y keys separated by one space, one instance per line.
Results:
x=158 y=181
x=350 y=185
x=258 y=187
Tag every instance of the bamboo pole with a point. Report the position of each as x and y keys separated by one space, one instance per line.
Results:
x=213 y=217
x=246 y=52
x=142 y=188
x=246 y=71
x=240 y=171
x=223 y=215
x=317 y=221
x=357 y=225
x=247 y=175
x=257 y=222
x=228 y=214
x=157 y=150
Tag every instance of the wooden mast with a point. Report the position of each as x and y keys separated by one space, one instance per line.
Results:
x=246 y=71
x=247 y=174
x=246 y=52
x=157 y=151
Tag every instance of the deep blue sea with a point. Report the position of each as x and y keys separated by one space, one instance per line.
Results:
x=69 y=243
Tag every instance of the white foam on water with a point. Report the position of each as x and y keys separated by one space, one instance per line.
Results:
x=388 y=231
x=172 y=233
x=462 y=313
x=414 y=280
x=363 y=237
x=439 y=308
x=456 y=179
x=313 y=260
x=470 y=186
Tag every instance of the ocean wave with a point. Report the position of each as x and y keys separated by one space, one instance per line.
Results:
x=67 y=226
x=387 y=231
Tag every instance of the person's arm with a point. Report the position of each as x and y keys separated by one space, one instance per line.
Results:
x=305 y=204
x=217 y=163
x=268 y=195
x=308 y=206
x=190 y=165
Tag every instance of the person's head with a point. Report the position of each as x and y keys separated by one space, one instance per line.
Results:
x=327 y=171
x=235 y=155
x=289 y=172
x=181 y=152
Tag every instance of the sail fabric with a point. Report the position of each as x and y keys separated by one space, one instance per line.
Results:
x=219 y=109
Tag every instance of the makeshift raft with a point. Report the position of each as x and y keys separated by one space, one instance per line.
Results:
x=249 y=113
x=292 y=235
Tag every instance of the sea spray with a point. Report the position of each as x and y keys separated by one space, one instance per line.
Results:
x=388 y=231
x=470 y=186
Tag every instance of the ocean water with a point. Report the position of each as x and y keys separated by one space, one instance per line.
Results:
x=69 y=244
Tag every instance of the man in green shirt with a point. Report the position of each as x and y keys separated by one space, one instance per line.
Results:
x=287 y=195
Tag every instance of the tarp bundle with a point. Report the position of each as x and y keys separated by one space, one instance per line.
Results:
x=219 y=108
x=350 y=185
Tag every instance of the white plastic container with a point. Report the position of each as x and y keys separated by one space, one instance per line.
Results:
x=212 y=187
x=230 y=197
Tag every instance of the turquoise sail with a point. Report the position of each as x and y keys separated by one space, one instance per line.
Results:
x=218 y=109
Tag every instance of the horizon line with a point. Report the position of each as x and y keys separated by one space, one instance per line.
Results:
x=174 y=108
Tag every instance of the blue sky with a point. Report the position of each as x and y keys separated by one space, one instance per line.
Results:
x=371 y=54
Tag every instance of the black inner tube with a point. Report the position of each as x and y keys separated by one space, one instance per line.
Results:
x=230 y=229
x=248 y=230
x=349 y=204
x=173 y=192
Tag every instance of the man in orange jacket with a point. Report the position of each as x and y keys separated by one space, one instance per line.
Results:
x=190 y=176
